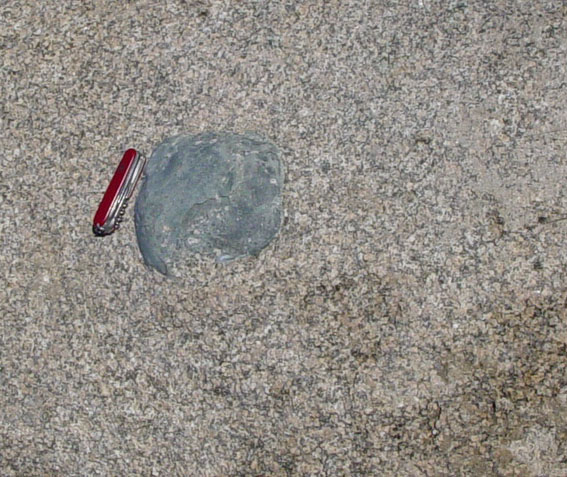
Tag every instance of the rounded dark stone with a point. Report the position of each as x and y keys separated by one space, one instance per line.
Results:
x=216 y=194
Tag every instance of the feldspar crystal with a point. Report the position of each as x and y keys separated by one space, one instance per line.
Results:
x=216 y=194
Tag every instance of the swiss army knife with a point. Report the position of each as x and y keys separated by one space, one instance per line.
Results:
x=115 y=200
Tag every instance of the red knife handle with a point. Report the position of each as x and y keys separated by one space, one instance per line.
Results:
x=120 y=189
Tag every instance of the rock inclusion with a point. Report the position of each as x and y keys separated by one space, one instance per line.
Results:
x=216 y=194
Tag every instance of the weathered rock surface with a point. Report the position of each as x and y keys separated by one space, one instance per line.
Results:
x=216 y=194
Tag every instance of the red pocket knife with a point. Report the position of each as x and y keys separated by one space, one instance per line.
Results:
x=111 y=209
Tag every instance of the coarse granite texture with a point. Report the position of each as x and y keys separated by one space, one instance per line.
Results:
x=216 y=194
x=409 y=319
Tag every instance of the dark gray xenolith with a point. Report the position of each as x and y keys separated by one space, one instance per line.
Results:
x=215 y=194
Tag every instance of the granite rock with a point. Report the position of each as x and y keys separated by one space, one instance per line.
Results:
x=215 y=194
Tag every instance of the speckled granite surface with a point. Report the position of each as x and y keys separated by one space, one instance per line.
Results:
x=410 y=318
